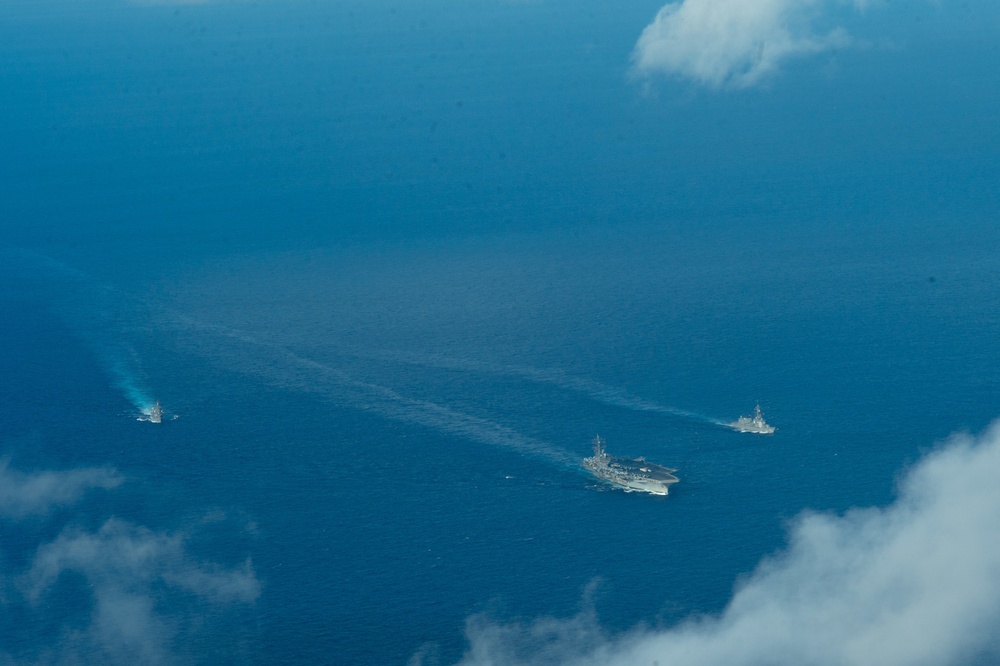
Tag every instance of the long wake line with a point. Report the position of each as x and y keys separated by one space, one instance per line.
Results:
x=341 y=388
x=88 y=310
x=127 y=380
x=603 y=393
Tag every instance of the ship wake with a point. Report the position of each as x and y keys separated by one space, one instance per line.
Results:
x=595 y=390
x=288 y=369
x=124 y=367
x=95 y=311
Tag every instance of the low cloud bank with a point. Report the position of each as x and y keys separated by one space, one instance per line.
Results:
x=145 y=593
x=731 y=43
x=916 y=583
x=123 y=555
x=24 y=494
x=130 y=570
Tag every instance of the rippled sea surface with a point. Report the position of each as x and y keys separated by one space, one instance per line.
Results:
x=392 y=268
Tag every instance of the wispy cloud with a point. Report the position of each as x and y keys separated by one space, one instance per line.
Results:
x=732 y=43
x=915 y=583
x=130 y=570
x=24 y=494
x=147 y=592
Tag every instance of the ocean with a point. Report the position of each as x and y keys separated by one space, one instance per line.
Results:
x=390 y=269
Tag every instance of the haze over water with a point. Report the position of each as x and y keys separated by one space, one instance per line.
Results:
x=393 y=266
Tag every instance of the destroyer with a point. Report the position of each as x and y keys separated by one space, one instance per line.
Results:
x=755 y=424
x=156 y=413
x=632 y=474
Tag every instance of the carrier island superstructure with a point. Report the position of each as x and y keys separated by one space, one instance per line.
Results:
x=632 y=474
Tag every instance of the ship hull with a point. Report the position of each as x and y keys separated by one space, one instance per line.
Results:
x=653 y=488
x=755 y=431
x=632 y=475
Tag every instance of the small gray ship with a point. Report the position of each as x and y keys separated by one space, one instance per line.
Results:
x=631 y=474
x=755 y=424
x=156 y=413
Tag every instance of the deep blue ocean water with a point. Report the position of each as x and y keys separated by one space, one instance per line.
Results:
x=394 y=267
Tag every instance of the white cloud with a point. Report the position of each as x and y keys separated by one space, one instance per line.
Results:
x=147 y=594
x=36 y=493
x=916 y=583
x=731 y=43
x=130 y=570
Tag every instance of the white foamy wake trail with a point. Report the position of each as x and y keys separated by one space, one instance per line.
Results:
x=95 y=311
x=124 y=368
x=291 y=370
x=603 y=393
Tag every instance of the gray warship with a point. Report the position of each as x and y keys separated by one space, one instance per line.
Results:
x=755 y=424
x=156 y=413
x=631 y=474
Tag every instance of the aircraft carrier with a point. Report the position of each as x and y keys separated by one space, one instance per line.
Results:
x=755 y=424
x=631 y=474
